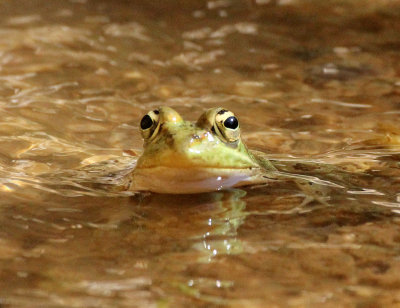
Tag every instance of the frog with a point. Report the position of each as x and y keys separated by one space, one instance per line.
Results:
x=184 y=157
x=194 y=157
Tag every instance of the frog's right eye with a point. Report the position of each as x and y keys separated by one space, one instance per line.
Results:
x=149 y=125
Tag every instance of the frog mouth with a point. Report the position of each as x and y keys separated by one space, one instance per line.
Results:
x=171 y=180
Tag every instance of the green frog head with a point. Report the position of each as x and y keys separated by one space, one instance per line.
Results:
x=184 y=157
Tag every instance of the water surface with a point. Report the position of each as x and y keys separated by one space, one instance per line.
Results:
x=311 y=81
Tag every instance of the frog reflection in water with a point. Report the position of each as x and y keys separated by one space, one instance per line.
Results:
x=183 y=157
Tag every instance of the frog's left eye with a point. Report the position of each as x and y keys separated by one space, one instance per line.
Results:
x=149 y=125
x=227 y=125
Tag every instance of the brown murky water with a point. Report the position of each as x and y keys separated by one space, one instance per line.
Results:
x=309 y=80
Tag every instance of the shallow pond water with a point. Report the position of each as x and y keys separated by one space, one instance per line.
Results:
x=311 y=81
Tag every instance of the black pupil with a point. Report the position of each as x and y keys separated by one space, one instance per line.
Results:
x=146 y=122
x=231 y=123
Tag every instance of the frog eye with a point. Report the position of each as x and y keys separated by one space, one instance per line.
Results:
x=227 y=125
x=149 y=124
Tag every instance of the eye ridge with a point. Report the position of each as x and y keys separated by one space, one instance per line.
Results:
x=146 y=122
x=231 y=122
x=222 y=111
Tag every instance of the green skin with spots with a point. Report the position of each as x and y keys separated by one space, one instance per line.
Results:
x=184 y=145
